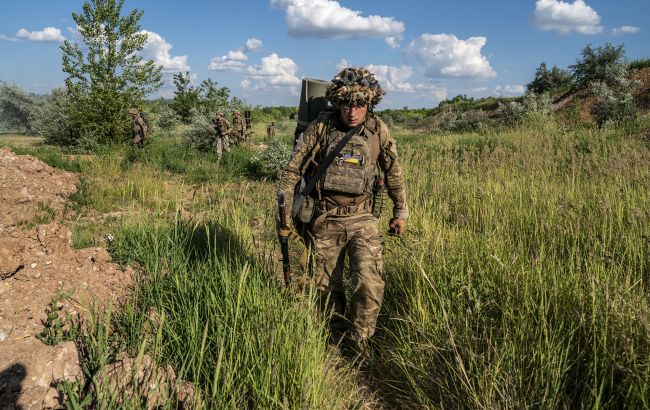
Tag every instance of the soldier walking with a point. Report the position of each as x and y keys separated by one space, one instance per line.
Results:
x=138 y=128
x=222 y=129
x=238 y=127
x=342 y=222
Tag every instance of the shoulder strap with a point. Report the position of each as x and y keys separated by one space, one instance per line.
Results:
x=329 y=159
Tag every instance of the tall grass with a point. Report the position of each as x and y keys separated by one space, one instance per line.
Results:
x=521 y=282
x=226 y=325
x=526 y=284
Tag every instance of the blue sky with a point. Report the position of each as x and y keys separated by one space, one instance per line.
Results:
x=421 y=51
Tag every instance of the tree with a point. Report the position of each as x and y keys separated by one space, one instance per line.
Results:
x=213 y=98
x=186 y=97
x=107 y=75
x=547 y=81
x=604 y=72
x=606 y=64
x=16 y=107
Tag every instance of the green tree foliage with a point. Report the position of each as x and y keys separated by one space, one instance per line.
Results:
x=604 y=72
x=206 y=99
x=606 y=64
x=186 y=97
x=16 y=108
x=549 y=80
x=52 y=119
x=212 y=98
x=106 y=75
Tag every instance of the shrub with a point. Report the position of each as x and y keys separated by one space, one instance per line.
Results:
x=639 y=64
x=604 y=64
x=269 y=163
x=613 y=105
x=16 y=107
x=535 y=109
x=473 y=120
x=200 y=134
x=546 y=80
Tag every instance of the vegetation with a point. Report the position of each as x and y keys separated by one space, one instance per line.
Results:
x=522 y=281
x=639 y=64
x=555 y=80
x=16 y=107
x=106 y=76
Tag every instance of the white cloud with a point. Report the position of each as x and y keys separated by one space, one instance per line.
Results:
x=431 y=93
x=512 y=89
x=47 y=34
x=225 y=64
x=393 y=41
x=233 y=60
x=625 y=30
x=253 y=44
x=444 y=55
x=158 y=50
x=237 y=55
x=566 y=17
x=273 y=72
x=328 y=19
x=343 y=64
x=7 y=38
x=245 y=84
x=392 y=79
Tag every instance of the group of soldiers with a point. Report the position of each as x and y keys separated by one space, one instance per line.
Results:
x=227 y=135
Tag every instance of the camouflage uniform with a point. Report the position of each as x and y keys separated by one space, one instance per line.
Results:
x=238 y=127
x=343 y=222
x=270 y=130
x=138 y=129
x=222 y=129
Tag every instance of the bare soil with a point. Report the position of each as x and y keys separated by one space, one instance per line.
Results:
x=36 y=262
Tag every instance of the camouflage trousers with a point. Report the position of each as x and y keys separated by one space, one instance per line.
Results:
x=221 y=145
x=359 y=237
x=137 y=141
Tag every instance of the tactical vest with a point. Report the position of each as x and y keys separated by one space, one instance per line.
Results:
x=353 y=170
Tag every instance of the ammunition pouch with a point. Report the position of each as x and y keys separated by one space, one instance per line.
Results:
x=303 y=208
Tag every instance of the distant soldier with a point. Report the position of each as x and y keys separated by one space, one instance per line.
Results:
x=238 y=127
x=270 y=130
x=222 y=129
x=138 y=128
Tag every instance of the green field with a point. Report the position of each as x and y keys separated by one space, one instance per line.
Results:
x=19 y=140
x=523 y=280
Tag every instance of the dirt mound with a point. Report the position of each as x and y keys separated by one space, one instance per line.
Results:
x=36 y=263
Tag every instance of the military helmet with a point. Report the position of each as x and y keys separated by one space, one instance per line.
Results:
x=133 y=111
x=355 y=86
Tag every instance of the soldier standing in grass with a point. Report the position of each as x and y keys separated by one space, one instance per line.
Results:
x=270 y=130
x=238 y=127
x=342 y=221
x=138 y=128
x=222 y=129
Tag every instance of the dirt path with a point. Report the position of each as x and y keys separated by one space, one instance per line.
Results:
x=36 y=262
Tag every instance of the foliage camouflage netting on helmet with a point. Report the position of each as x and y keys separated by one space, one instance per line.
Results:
x=355 y=86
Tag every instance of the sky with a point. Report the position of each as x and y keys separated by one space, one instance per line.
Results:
x=421 y=51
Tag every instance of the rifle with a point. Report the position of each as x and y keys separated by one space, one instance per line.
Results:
x=283 y=236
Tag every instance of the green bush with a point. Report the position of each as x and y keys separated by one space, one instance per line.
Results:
x=455 y=121
x=639 y=64
x=200 y=134
x=269 y=163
